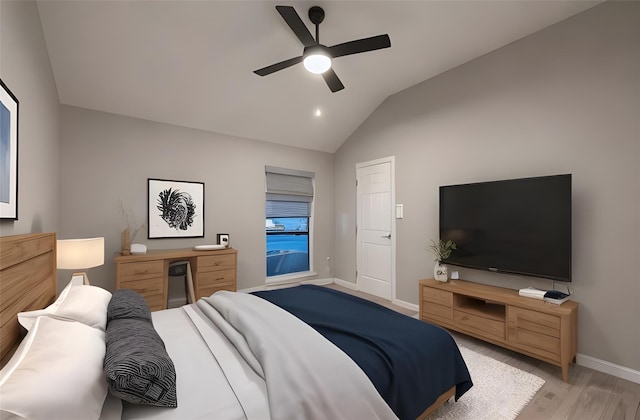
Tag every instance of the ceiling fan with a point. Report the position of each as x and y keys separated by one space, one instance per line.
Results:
x=317 y=57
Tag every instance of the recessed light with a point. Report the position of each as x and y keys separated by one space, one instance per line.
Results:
x=318 y=112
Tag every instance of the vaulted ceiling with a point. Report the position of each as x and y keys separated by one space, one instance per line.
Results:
x=191 y=63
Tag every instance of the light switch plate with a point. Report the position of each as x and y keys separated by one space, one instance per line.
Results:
x=399 y=211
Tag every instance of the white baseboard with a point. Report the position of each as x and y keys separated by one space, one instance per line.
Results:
x=345 y=283
x=319 y=282
x=407 y=305
x=608 y=367
x=353 y=286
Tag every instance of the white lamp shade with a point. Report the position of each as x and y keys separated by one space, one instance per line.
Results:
x=317 y=63
x=77 y=254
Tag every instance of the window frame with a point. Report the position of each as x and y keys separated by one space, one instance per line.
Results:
x=298 y=193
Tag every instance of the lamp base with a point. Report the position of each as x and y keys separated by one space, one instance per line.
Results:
x=80 y=277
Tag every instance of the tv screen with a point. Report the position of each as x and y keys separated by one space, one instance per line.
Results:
x=518 y=226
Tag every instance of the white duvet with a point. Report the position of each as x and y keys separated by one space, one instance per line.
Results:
x=307 y=376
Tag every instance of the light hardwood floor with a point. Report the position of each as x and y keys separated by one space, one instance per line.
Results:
x=590 y=395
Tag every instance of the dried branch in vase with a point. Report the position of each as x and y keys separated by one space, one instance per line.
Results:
x=128 y=235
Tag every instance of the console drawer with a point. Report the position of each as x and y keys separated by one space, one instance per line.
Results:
x=534 y=331
x=477 y=324
x=534 y=321
x=440 y=297
x=540 y=344
x=434 y=310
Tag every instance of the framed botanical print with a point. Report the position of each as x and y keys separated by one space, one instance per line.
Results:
x=176 y=209
x=8 y=153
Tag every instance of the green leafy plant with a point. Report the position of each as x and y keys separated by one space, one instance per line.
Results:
x=441 y=249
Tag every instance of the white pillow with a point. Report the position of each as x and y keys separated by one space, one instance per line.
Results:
x=56 y=373
x=30 y=316
x=85 y=304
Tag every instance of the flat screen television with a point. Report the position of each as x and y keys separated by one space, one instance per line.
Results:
x=517 y=226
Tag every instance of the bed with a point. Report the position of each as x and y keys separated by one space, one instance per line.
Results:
x=318 y=352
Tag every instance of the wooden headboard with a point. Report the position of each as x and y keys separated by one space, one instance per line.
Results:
x=27 y=282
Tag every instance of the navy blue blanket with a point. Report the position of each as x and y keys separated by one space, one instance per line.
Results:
x=410 y=362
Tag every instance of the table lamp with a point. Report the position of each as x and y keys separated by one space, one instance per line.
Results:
x=80 y=254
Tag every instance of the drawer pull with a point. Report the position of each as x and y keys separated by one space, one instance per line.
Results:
x=220 y=278
x=141 y=271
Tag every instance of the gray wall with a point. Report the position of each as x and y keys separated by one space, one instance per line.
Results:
x=564 y=100
x=107 y=158
x=25 y=69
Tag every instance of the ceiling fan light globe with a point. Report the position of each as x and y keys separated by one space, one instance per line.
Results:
x=317 y=63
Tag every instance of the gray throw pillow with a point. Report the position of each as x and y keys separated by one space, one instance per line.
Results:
x=127 y=303
x=136 y=364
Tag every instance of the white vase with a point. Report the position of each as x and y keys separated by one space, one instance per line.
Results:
x=440 y=272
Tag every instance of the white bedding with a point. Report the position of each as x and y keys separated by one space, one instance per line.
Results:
x=222 y=348
x=203 y=388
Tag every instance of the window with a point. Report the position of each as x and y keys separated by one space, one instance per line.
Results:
x=289 y=195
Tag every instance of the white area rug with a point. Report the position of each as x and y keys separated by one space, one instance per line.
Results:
x=499 y=391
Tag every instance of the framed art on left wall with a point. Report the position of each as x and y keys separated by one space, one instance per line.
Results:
x=8 y=153
x=176 y=209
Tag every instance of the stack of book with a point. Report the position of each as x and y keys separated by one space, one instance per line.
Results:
x=550 y=296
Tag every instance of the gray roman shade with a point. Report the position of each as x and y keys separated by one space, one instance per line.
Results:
x=288 y=184
x=289 y=192
x=288 y=209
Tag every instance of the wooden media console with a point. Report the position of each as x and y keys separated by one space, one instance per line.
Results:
x=542 y=330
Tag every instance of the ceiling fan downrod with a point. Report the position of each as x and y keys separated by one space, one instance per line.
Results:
x=316 y=16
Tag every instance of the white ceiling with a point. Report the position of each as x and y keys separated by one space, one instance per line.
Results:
x=190 y=63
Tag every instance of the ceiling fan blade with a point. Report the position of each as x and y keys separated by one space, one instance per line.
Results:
x=360 y=46
x=332 y=80
x=298 y=27
x=278 y=66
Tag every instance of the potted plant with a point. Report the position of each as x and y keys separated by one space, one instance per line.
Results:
x=441 y=250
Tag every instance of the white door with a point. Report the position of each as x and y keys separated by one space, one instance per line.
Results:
x=375 y=239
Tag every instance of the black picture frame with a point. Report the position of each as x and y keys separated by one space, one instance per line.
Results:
x=222 y=239
x=9 y=107
x=176 y=209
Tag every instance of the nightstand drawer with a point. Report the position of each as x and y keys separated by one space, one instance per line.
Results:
x=151 y=289
x=141 y=270
x=216 y=278
x=216 y=262
x=209 y=290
